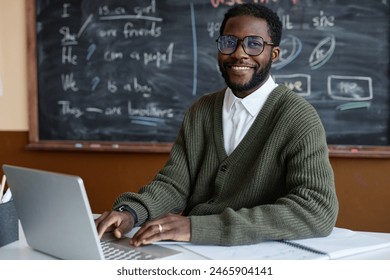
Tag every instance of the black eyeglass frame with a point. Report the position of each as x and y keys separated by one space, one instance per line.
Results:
x=242 y=43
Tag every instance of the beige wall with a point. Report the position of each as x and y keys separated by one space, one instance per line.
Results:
x=13 y=76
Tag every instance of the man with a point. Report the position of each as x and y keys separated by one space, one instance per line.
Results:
x=250 y=162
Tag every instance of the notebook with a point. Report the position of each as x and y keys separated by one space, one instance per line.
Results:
x=339 y=244
x=56 y=217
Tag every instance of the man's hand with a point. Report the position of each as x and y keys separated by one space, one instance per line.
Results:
x=170 y=227
x=119 y=223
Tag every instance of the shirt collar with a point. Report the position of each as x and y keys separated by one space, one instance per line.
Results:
x=253 y=102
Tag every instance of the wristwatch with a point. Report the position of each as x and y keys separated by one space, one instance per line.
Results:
x=126 y=208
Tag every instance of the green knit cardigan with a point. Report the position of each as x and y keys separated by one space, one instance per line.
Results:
x=277 y=184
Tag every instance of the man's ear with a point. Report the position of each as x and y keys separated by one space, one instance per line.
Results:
x=275 y=53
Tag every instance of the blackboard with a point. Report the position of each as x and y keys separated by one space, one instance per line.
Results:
x=120 y=74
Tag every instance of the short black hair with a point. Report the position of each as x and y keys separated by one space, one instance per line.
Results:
x=259 y=11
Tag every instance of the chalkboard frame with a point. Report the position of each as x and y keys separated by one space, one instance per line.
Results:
x=35 y=143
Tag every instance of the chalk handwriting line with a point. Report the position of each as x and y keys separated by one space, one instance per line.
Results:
x=85 y=24
x=90 y=17
x=94 y=110
x=144 y=123
x=353 y=105
x=147 y=119
x=130 y=17
x=69 y=43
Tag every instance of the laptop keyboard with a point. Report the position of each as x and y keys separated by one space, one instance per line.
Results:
x=113 y=251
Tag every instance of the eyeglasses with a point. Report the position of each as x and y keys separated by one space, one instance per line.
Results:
x=253 y=45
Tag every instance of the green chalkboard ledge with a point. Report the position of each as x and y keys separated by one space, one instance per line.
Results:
x=101 y=146
x=346 y=151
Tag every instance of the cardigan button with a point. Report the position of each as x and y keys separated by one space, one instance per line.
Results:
x=223 y=168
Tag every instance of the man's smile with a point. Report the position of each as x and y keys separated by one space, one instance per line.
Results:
x=239 y=68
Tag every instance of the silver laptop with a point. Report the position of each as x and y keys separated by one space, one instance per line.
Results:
x=56 y=217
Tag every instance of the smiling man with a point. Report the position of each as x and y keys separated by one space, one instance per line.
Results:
x=250 y=162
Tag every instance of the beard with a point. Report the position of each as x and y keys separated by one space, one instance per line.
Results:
x=258 y=78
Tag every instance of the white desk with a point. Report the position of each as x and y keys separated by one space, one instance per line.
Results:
x=19 y=250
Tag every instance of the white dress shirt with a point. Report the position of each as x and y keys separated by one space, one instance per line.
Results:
x=238 y=114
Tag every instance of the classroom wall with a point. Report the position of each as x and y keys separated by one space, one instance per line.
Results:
x=13 y=78
x=362 y=183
